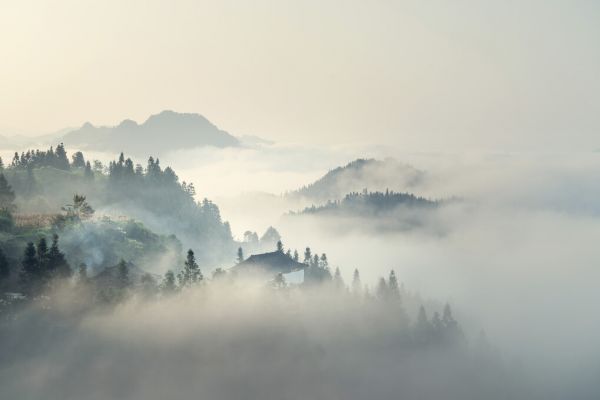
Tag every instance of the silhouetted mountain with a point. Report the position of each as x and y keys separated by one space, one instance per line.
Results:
x=162 y=132
x=361 y=174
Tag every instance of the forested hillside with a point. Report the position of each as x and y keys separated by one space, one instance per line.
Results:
x=360 y=174
x=45 y=181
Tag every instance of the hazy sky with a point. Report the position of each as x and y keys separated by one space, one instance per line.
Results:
x=424 y=75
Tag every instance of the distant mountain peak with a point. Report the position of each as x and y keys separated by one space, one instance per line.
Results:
x=166 y=131
x=128 y=123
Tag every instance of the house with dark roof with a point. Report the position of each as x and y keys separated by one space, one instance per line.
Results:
x=268 y=265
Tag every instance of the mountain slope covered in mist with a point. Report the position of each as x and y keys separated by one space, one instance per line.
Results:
x=166 y=131
x=360 y=174
x=45 y=181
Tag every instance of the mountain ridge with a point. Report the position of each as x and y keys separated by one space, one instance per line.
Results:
x=165 y=131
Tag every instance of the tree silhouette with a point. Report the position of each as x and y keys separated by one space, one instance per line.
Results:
x=7 y=195
x=4 y=267
x=240 y=255
x=168 y=285
x=123 y=279
x=356 y=284
x=190 y=274
x=30 y=271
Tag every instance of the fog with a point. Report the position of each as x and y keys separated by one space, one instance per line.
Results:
x=514 y=254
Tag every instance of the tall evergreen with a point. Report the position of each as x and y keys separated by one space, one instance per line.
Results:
x=393 y=288
x=57 y=264
x=168 y=285
x=338 y=281
x=382 y=289
x=62 y=162
x=7 y=195
x=191 y=272
x=307 y=256
x=279 y=246
x=78 y=160
x=123 y=275
x=1 y=164
x=4 y=267
x=43 y=258
x=30 y=272
x=82 y=274
x=295 y=255
x=356 y=284
x=88 y=173
x=240 y=255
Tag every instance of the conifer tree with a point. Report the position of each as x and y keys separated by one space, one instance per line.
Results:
x=7 y=195
x=315 y=261
x=393 y=288
x=1 y=164
x=307 y=256
x=423 y=326
x=288 y=253
x=240 y=255
x=78 y=160
x=62 y=162
x=57 y=264
x=356 y=284
x=123 y=275
x=279 y=246
x=338 y=281
x=43 y=258
x=323 y=262
x=191 y=272
x=295 y=255
x=30 y=272
x=4 y=267
x=168 y=285
x=88 y=173
x=382 y=289
x=82 y=274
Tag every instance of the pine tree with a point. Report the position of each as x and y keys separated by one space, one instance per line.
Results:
x=288 y=253
x=423 y=327
x=296 y=255
x=356 y=284
x=168 y=285
x=279 y=246
x=43 y=258
x=57 y=264
x=1 y=164
x=338 y=281
x=30 y=272
x=88 y=173
x=62 y=162
x=240 y=255
x=149 y=286
x=191 y=272
x=307 y=256
x=7 y=195
x=78 y=160
x=4 y=267
x=393 y=288
x=123 y=275
x=382 y=289
x=323 y=262
x=82 y=274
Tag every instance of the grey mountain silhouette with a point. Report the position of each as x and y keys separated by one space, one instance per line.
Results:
x=166 y=131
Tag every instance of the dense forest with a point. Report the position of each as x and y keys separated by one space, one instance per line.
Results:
x=44 y=181
x=358 y=175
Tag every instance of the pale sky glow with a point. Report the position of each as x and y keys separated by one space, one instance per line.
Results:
x=425 y=75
